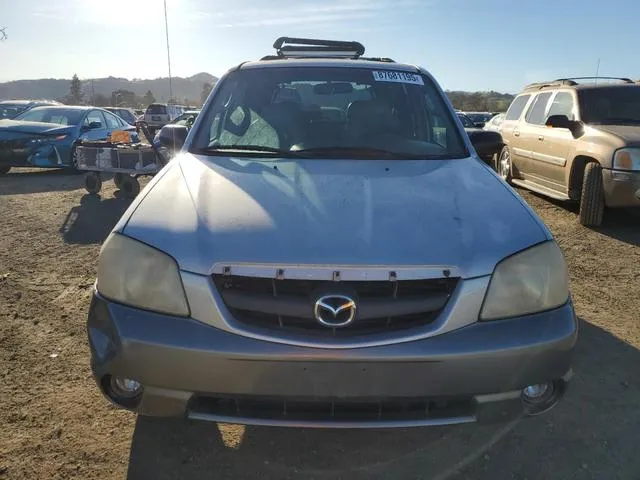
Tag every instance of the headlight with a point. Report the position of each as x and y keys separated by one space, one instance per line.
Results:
x=39 y=141
x=528 y=282
x=136 y=274
x=627 y=159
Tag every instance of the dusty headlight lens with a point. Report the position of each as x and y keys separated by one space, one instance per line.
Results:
x=627 y=159
x=136 y=274
x=528 y=282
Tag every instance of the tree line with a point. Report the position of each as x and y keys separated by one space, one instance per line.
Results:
x=122 y=97
x=480 y=101
x=466 y=101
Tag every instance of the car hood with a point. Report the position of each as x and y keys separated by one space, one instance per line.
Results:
x=628 y=133
x=211 y=210
x=20 y=126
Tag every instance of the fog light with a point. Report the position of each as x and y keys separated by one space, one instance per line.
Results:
x=534 y=392
x=125 y=387
x=541 y=397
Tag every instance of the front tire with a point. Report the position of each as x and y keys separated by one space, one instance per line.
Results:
x=4 y=169
x=592 y=196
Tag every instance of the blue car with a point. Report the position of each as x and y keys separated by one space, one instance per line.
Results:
x=47 y=136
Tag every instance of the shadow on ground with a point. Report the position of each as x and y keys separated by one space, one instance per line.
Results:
x=25 y=181
x=619 y=223
x=591 y=434
x=93 y=219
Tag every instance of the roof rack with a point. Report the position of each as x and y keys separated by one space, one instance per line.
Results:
x=287 y=47
x=622 y=79
x=552 y=83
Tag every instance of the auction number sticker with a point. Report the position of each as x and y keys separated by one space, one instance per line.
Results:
x=399 y=77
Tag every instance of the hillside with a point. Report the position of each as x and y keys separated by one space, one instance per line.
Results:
x=50 y=88
x=480 y=101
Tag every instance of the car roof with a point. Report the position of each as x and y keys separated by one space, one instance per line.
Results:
x=329 y=62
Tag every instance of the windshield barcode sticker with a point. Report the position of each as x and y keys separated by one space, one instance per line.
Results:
x=399 y=77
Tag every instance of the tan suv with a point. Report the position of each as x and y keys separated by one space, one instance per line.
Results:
x=576 y=139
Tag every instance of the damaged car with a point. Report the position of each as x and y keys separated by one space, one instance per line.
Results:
x=47 y=136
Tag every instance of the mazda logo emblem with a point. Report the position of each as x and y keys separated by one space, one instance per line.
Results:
x=335 y=310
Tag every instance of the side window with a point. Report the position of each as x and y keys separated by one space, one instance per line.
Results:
x=516 y=107
x=112 y=121
x=94 y=116
x=562 y=105
x=535 y=115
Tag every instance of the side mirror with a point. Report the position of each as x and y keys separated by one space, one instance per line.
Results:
x=562 y=121
x=559 y=121
x=480 y=124
x=486 y=142
x=172 y=137
x=95 y=125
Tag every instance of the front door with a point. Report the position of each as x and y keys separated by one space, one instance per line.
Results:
x=554 y=145
x=95 y=127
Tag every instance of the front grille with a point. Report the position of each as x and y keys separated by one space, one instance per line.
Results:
x=310 y=411
x=288 y=305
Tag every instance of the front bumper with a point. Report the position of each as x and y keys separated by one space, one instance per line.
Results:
x=621 y=188
x=192 y=369
x=54 y=156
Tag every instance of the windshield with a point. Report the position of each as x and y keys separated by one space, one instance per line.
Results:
x=619 y=104
x=330 y=112
x=61 y=116
x=11 y=110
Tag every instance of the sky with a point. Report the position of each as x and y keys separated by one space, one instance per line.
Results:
x=496 y=45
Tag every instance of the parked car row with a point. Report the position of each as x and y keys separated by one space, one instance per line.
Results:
x=47 y=136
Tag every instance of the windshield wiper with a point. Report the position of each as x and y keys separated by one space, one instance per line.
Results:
x=214 y=149
x=361 y=152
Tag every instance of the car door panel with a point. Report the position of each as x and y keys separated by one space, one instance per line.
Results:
x=555 y=144
x=510 y=131
x=530 y=132
x=95 y=134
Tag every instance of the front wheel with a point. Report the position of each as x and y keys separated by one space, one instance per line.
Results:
x=74 y=160
x=592 y=197
x=4 y=169
x=503 y=164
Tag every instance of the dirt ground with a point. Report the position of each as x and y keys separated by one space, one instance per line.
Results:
x=55 y=424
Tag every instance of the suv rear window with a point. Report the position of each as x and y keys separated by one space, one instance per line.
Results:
x=330 y=112
x=155 y=109
x=516 y=107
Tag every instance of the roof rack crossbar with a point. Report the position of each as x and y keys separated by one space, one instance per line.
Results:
x=554 y=83
x=623 y=79
x=307 y=47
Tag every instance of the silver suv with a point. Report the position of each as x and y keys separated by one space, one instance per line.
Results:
x=329 y=250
